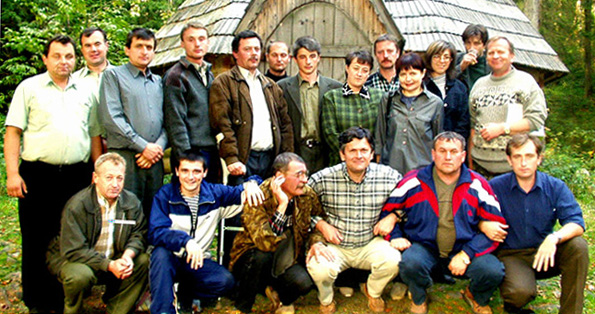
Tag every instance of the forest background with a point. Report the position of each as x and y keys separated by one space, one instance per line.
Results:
x=566 y=24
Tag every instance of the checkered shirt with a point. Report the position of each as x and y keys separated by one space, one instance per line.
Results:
x=354 y=208
x=105 y=243
x=378 y=81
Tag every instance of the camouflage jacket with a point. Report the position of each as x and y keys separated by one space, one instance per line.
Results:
x=258 y=233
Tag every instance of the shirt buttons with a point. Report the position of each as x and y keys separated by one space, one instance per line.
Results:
x=404 y=142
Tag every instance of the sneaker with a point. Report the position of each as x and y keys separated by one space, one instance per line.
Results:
x=477 y=309
x=419 y=309
x=375 y=304
x=274 y=297
x=398 y=291
x=285 y=309
x=328 y=309
x=346 y=291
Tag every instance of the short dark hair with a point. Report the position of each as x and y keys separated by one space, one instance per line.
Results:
x=355 y=132
x=361 y=57
x=195 y=25
x=63 y=39
x=521 y=139
x=387 y=37
x=307 y=42
x=89 y=31
x=142 y=33
x=494 y=39
x=235 y=43
x=475 y=30
x=192 y=157
x=449 y=136
x=272 y=42
x=282 y=161
x=410 y=60
x=438 y=48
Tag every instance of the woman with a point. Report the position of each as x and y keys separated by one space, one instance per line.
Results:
x=352 y=105
x=441 y=81
x=408 y=119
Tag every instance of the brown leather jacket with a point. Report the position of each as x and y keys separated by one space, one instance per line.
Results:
x=257 y=227
x=230 y=110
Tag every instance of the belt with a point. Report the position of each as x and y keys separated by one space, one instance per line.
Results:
x=311 y=142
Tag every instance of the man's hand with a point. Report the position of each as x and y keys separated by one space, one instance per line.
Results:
x=470 y=58
x=121 y=268
x=279 y=194
x=153 y=152
x=237 y=169
x=492 y=130
x=252 y=194
x=320 y=250
x=494 y=230
x=385 y=225
x=194 y=255
x=143 y=162
x=15 y=186
x=546 y=253
x=458 y=264
x=330 y=233
x=400 y=244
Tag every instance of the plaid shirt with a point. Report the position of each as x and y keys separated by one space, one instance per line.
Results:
x=105 y=243
x=378 y=81
x=354 y=208
x=342 y=109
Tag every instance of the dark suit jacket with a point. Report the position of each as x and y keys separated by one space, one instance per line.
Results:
x=291 y=93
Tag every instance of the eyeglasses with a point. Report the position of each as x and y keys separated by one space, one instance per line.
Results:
x=301 y=174
x=442 y=58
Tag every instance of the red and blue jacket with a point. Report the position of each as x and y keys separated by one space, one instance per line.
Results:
x=473 y=201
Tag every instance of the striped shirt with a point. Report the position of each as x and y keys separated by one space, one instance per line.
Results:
x=353 y=208
x=192 y=202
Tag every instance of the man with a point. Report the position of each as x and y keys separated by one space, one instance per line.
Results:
x=186 y=102
x=472 y=65
x=504 y=103
x=102 y=241
x=94 y=47
x=443 y=203
x=304 y=94
x=249 y=109
x=131 y=111
x=51 y=114
x=184 y=218
x=387 y=51
x=352 y=194
x=270 y=251
x=278 y=58
x=532 y=202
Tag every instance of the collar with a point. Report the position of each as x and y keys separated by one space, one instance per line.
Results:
x=346 y=174
x=247 y=75
x=136 y=72
x=364 y=92
x=86 y=71
x=47 y=80
x=301 y=80
x=500 y=78
x=425 y=174
x=515 y=184
x=205 y=194
x=103 y=202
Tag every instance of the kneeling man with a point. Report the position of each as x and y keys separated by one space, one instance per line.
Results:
x=532 y=202
x=183 y=221
x=441 y=206
x=101 y=241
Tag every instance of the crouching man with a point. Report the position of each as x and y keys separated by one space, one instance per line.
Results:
x=183 y=221
x=443 y=204
x=101 y=241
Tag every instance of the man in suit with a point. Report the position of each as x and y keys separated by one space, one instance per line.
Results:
x=304 y=93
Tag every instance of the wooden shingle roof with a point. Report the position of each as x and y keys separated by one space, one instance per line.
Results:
x=424 y=21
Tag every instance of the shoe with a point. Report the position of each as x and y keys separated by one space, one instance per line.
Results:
x=477 y=309
x=511 y=309
x=328 y=309
x=398 y=291
x=274 y=297
x=346 y=291
x=375 y=304
x=285 y=309
x=419 y=309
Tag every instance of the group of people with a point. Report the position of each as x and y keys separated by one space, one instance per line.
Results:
x=392 y=191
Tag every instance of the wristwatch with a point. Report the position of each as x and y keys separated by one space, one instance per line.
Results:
x=506 y=128
x=558 y=236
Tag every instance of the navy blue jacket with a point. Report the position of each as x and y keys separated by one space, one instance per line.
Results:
x=456 y=106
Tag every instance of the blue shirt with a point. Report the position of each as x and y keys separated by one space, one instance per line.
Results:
x=531 y=216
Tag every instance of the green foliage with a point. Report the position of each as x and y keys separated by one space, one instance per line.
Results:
x=28 y=24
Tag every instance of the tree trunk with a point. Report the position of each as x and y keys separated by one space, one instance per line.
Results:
x=533 y=12
x=587 y=46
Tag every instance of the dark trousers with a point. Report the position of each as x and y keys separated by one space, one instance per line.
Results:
x=419 y=264
x=211 y=154
x=253 y=273
x=144 y=183
x=519 y=286
x=49 y=187
x=209 y=281
x=315 y=156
